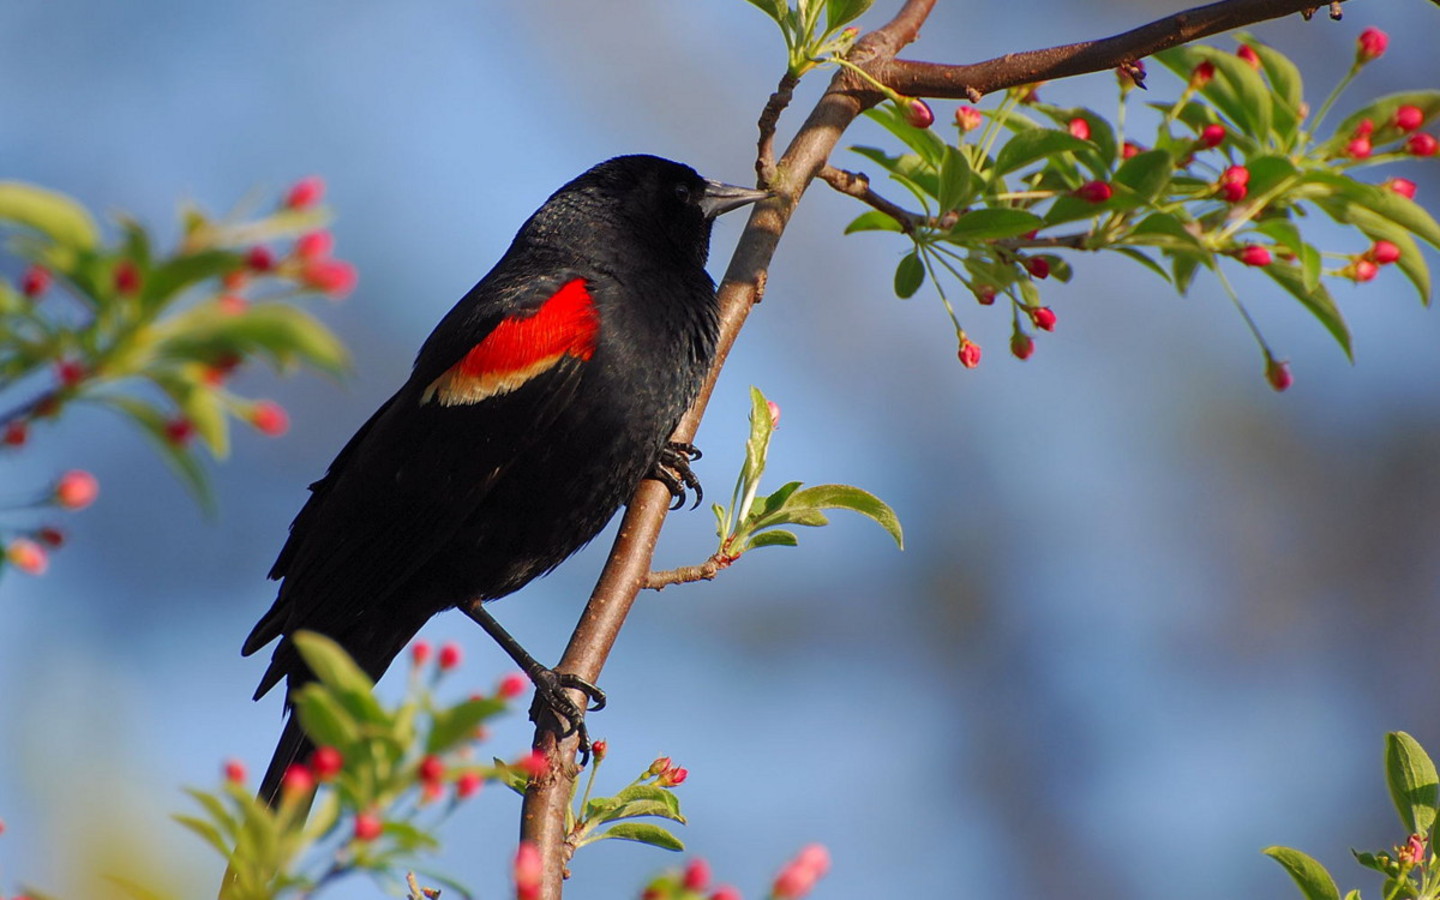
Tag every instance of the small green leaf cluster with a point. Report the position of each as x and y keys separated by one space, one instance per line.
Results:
x=155 y=334
x=1411 y=869
x=1234 y=170
x=805 y=39
x=651 y=795
x=378 y=801
x=753 y=520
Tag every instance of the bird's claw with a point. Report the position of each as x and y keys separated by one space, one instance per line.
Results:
x=568 y=717
x=672 y=469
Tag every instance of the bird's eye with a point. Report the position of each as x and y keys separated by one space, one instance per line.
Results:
x=682 y=193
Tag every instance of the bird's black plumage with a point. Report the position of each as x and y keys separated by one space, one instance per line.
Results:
x=533 y=410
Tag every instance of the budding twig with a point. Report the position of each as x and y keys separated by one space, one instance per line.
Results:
x=706 y=571
x=769 y=118
x=857 y=185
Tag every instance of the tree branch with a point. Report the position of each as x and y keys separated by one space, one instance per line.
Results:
x=857 y=185
x=628 y=568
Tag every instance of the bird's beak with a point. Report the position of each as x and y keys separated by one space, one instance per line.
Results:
x=721 y=198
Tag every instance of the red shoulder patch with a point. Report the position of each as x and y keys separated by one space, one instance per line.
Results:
x=522 y=347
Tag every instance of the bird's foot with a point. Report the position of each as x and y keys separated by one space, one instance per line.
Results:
x=566 y=717
x=672 y=469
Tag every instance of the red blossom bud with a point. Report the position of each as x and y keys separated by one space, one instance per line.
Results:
x=1129 y=149
x=726 y=892
x=306 y=193
x=1359 y=148
x=1021 y=345
x=968 y=118
x=235 y=771
x=127 y=277
x=918 y=113
x=1408 y=118
x=326 y=762
x=297 y=780
x=449 y=656
x=76 y=489
x=1384 y=253
x=50 y=536
x=697 y=875
x=1202 y=75
x=368 y=827
x=1235 y=175
x=985 y=294
x=1233 y=191
x=27 y=556
x=35 y=281
x=672 y=777
x=1038 y=267
x=513 y=685
x=533 y=764
x=1247 y=53
x=1371 y=45
x=1094 y=192
x=599 y=749
x=69 y=372
x=1212 y=135
x=16 y=433
x=1080 y=128
x=332 y=276
x=420 y=653
x=1255 y=255
x=1421 y=144
x=527 y=870
x=1413 y=852
x=816 y=857
x=315 y=245
x=1402 y=186
x=468 y=784
x=1042 y=316
x=1278 y=374
x=235 y=280
x=1365 y=128
x=179 y=431
x=658 y=766
x=1364 y=270
x=269 y=418
x=259 y=259
x=969 y=353
x=431 y=768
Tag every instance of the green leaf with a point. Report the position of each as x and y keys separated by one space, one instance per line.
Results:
x=909 y=275
x=324 y=718
x=1033 y=144
x=1316 y=299
x=922 y=140
x=330 y=663
x=646 y=800
x=1382 y=201
x=843 y=496
x=918 y=176
x=457 y=724
x=839 y=13
x=1144 y=260
x=511 y=776
x=956 y=178
x=170 y=278
x=775 y=537
x=775 y=9
x=209 y=833
x=992 y=223
x=1237 y=90
x=51 y=213
x=1287 y=87
x=215 y=808
x=1382 y=113
x=1412 y=780
x=278 y=331
x=645 y=833
x=1412 y=261
x=1314 y=882
x=1267 y=172
x=1146 y=174
x=1168 y=232
x=874 y=220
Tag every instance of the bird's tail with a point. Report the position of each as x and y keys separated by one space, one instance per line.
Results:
x=294 y=747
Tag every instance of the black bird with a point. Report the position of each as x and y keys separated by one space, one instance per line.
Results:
x=533 y=410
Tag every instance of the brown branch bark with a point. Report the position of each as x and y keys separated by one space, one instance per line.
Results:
x=628 y=568
x=857 y=185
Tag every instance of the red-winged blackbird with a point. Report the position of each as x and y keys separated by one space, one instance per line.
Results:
x=534 y=409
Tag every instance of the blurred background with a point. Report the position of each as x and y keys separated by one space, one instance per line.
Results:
x=1151 y=616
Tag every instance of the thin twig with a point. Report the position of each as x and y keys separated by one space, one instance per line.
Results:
x=706 y=571
x=857 y=185
x=769 y=118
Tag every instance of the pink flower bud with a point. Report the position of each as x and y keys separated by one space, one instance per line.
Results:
x=1278 y=374
x=1408 y=118
x=235 y=771
x=1371 y=45
x=1402 y=186
x=599 y=749
x=1359 y=148
x=232 y=304
x=259 y=259
x=420 y=653
x=1384 y=253
x=1365 y=128
x=269 y=418
x=315 y=245
x=1212 y=135
x=969 y=353
x=985 y=294
x=27 y=556
x=726 y=892
x=528 y=871
x=1422 y=144
x=16 y=433
x=431 y=768
x=1038 y=267
x=368 y=827
x=918 y=113
x=179 y=431
x=774 y=409
x=326 y=763
x=1021 y=345
x=332 y=276
x=1202 y=75
x=1235 y=175
x=1255 y=255
x=672 y=776
x=1094 y=192
x=69 y=372
x=76 y=489
x=1129 y=149
x=35 y=281
x=658 y=766
x=968 y=118
x=1080 y=128
x=1042 y=316
x=513 y=685
x=297 y=780
x=1364 y=270
x=50 y=536
x=449 y=656
x=1233 y=191
x=306 y=193
x=697 y=875
x=533 y=764
x=468 y=785
x=127 y=277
